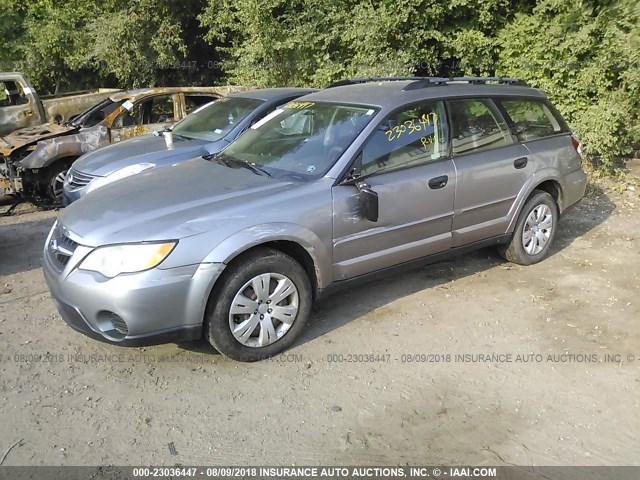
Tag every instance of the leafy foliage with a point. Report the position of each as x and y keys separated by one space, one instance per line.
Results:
x=584 y=53
x=586 y=56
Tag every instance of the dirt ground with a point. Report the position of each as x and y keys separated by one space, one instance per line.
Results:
x=380 y=376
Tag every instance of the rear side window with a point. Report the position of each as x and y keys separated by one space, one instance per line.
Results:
x=477 y=126
x=193 y=102
x=530 y=119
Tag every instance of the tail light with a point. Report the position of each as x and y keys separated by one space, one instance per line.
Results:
x=576 y=144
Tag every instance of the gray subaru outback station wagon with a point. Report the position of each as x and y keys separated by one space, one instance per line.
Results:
x=334 y=186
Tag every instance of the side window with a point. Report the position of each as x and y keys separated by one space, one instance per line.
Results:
x=162 y=109
x=477 y=126
x=530 y=119
x=412 y=136
x=151 y=110
x=11 y=93
x=193 y=102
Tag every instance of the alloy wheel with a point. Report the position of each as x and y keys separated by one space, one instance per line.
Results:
x=263 y=310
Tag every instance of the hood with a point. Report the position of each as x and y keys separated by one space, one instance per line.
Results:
x=32 y=135
x=161 y=150
x=168 y=203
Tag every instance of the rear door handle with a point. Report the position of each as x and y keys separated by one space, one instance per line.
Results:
x=438 y=182
x=520 y=162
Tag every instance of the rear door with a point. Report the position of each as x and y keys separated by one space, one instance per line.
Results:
x=491 y=169
x=145 y=116
x=406 y=162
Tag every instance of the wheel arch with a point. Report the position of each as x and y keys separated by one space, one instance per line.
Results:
x=546 y=181
x=296 y=241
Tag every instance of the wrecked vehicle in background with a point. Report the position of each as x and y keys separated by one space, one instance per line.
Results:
x=207 y=130
x=21 y=106
x=34 y=161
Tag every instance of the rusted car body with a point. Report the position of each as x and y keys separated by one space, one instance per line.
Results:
x=21 y=106
x=34 y=161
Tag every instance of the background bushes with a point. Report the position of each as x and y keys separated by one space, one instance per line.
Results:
x=584 y=54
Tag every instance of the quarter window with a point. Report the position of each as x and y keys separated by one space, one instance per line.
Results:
x=530 y=119
x=477 y=126
x=412 y=136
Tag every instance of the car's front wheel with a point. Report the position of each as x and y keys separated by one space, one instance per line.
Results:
x=259 y=306
x=534 y=231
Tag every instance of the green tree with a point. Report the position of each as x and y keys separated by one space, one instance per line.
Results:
x=295 y=42
x=586 y=56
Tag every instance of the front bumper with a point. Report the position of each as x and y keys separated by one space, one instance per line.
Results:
x=151 y=307
x=70 y=196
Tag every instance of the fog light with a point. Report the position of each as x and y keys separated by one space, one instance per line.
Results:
x=110 y=321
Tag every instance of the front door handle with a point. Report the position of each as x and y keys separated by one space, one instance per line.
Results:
x=520 y=162
x=438 y=182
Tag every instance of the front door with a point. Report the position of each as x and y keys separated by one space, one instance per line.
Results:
x=405 y=161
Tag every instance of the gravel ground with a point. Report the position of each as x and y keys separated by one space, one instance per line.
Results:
x=470 y=361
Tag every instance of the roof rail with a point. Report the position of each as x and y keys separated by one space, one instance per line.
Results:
x=473 y=81
x=354 y=81
x=421 y=82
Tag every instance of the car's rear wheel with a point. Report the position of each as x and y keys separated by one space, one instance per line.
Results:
x=259 y=306
x=534 y=231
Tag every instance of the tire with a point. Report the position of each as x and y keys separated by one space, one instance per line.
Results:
x=252 y=306
x=53 y=179
x=524 y=252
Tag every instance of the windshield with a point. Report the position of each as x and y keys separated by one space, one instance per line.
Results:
x=302 y=140
x=217 y=119
x=96 y=114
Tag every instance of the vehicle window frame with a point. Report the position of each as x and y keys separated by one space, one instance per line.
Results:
x=564 y=127
x=148 y=98
x=343 y=178
x=496 y=108
x=19 y=93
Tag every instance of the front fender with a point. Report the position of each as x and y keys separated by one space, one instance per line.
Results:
x=251 y=237
x=48 y=151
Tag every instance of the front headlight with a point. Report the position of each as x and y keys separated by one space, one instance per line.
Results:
x=119 y=175
x=113 y=260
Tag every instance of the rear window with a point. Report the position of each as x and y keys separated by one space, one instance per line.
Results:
x=530 y=119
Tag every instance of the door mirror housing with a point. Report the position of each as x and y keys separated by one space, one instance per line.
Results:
x=369 y=206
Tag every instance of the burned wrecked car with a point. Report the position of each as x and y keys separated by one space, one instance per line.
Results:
x=21 y=106
x=34 y=161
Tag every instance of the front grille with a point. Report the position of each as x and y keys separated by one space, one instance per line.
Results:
x=60 y=248
x=78 y=179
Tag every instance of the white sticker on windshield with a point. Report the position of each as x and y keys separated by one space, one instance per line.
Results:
x=128 y=105
x=217 y=131
x=273 y=114
x=370 y=112
x=28 y=91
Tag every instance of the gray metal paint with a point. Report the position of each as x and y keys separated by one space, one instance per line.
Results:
x=217 y=212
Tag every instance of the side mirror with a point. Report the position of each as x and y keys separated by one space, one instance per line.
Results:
x=369 y=208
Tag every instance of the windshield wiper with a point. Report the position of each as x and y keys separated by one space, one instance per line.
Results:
x=228 y=161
